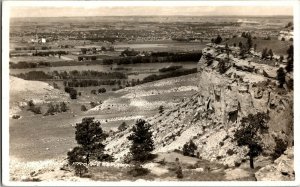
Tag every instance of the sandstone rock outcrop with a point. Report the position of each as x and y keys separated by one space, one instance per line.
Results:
x=211 y=116
x=281 y=170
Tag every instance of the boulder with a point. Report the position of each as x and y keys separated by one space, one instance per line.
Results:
x=281 y=170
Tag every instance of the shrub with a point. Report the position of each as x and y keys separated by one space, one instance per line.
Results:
x=137 y=171
x=30 y=103
x=123 y=127
x=35 y=109
x=189 y=148
x=281 y=58
x=73 y=93
x=93 y=104
x=51 y=109
x=161 y=109
x=222 y=67
x=127 y=158
x=93 y=92
x=101 y=90
x=178 y=169
x=75 y=155
x=63 y=107
x=83 y=108
x=218 y=40
x=80 y=168
x=230 y=152
x=16 y=116
x=279 y=149
x=237 y=164
x=105 y=158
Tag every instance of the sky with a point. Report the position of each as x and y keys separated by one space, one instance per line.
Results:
x=149 y=11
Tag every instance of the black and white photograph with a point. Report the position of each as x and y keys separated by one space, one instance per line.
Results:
x=149 y=92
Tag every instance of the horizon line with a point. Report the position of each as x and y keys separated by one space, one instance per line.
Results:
x=155 y=16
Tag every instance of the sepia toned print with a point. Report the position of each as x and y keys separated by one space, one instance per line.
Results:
x=151 y=93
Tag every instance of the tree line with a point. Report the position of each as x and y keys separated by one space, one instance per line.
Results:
x=41 y=75
x=25 y=65
x=156 y=57
x=176 y=73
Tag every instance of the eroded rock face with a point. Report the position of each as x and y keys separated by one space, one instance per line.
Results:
x=211 y=116
x=281 y=170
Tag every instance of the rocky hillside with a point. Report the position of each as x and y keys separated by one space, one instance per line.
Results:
x=211 y=116
x=21 y=91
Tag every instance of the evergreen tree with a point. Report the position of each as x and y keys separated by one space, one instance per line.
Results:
x=242 y=52
x=249 y=42
x=290 y=59
x=73 y=93
x=249 y=133
x=240 y=44
x=270 y=53
x=264 y=53
x=281 y=77
x=161 y=109
x=227 y=51
x=254 y=47
x=218 y=40
x=89 y=136
x=189 y=148
x=142 y=143
x=63 y=107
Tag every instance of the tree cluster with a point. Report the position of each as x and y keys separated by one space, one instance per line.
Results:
x=156 y=57
x=25 y=65
x=189 y=148
x=217 y=40
x=56 y=108
x=267 y=54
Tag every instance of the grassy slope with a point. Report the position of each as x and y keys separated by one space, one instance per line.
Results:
x=38 y=137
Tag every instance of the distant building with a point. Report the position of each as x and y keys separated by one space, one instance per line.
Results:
x=286 y=35
x=43 y=40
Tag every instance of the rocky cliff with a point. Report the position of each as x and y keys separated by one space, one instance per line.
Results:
x=229 y=89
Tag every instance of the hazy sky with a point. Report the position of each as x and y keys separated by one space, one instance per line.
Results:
x=143 y=11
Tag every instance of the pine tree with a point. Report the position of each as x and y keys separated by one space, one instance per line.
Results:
x=264 y=53
x=270 y=53
x=218 y=40
x=249 y=42
x=289 y=67
x=189 y=148
x=249 y=133
x=161 y=109
x=281 y=77
x=63 y=107
x=142 y=143
x=89 y=136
